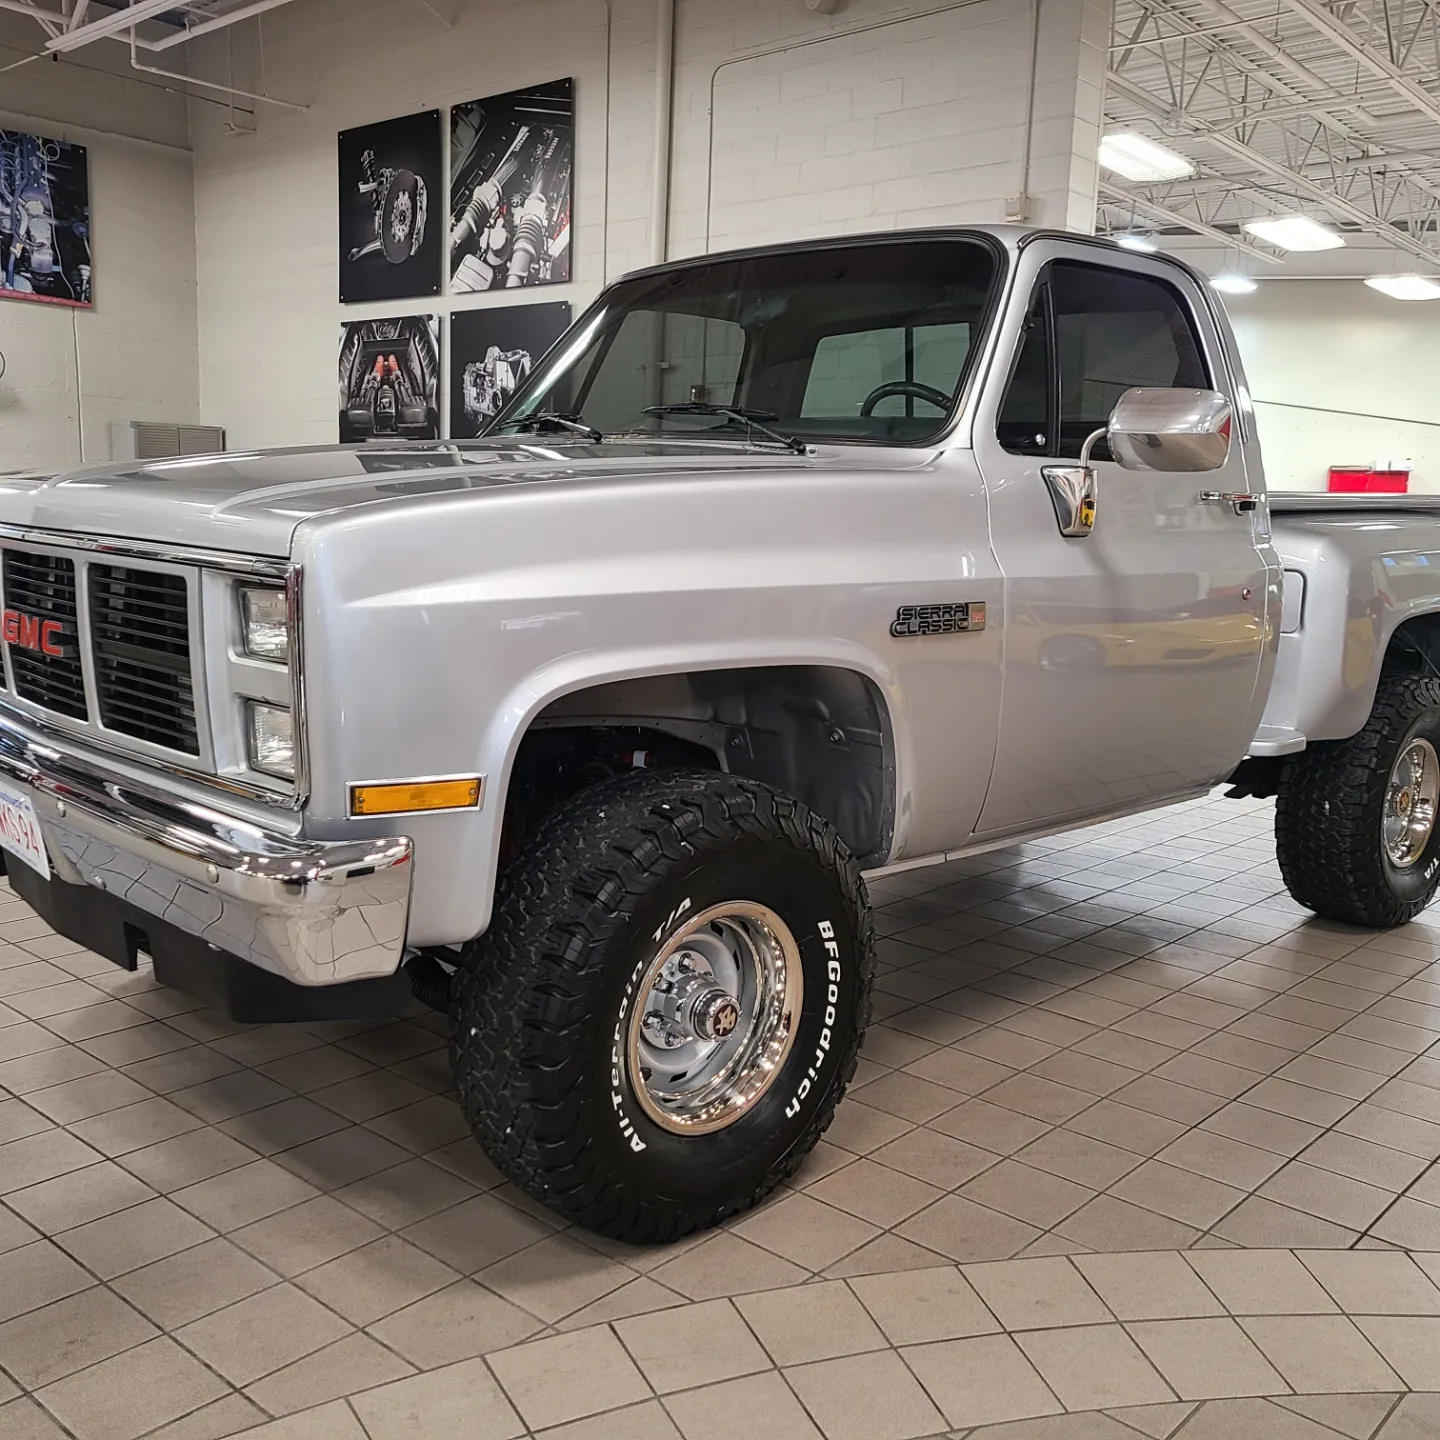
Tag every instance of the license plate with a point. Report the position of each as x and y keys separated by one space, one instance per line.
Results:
x=20 y=830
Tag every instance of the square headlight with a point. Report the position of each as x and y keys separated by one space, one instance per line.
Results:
x=272 y=739
x=265 y=623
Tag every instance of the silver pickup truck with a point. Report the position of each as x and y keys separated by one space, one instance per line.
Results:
x=783 y=566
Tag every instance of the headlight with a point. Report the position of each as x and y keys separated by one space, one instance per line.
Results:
x=265 y=623
x=272 y=739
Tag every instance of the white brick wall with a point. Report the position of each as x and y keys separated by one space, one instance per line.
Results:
x=135 y=356
x=889 y=112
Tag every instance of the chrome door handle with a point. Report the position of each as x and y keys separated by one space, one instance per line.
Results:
x=1238 y=500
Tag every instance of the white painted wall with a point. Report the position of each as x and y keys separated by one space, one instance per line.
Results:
x=888 y=112
x=1341 y=375
x=135 y=355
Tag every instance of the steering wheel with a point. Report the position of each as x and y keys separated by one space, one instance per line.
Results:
x=927 y=393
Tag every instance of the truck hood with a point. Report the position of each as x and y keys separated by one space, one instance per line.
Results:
x=251 y=501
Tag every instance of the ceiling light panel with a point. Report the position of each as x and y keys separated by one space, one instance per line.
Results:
x=1143 y=160
x=1405 y=287
x=1294 y=232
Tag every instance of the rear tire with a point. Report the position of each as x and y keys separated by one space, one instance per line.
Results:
x=1332 y=809
x=551 y=1060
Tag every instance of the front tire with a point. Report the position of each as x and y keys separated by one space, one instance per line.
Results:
x=1355 y=829
x=667 y=1007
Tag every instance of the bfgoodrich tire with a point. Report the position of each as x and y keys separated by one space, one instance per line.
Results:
x=629 y=923
x=1352 y=834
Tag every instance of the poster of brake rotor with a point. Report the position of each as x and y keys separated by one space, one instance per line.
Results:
x=511 y=170
x=390 y=180
x=44 y=220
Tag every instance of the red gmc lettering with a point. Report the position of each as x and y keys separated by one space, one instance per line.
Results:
x=32 y=633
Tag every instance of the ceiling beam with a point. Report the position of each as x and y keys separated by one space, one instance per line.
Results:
x=1114 y=195
x=112 y=24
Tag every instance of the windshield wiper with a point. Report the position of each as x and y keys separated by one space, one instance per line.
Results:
x=550 y=422
x=750 y=419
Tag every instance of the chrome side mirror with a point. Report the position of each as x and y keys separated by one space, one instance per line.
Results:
x=1182 y=431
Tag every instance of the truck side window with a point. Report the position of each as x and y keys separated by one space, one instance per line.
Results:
x=1112 y=330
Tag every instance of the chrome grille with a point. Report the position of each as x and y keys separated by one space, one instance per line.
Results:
x=40 y=591
x=140 y=637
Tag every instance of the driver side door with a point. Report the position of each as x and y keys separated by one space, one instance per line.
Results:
x=1132 y=654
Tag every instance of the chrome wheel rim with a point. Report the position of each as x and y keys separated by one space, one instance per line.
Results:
x=716 y=1018
x=1410 y=803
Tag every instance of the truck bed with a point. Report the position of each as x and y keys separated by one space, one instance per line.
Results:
x=1309 y=502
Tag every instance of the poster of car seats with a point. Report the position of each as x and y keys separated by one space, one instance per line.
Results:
x=44 y=220
x=390 y=379
x=511 y=163
x=491 y=352
x=390 y=177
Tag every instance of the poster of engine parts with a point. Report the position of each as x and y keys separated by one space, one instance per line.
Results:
x=390 y=379
x=491 y=353
x=390 y=176
x=44 y=220
x=511 y=164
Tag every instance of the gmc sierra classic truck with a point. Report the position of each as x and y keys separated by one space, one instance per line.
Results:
x=783 y=566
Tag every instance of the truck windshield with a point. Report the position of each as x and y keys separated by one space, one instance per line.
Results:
x=867 y=342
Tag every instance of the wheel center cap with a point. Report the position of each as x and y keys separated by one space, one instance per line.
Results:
x=716 y=1015
x=1402 y=802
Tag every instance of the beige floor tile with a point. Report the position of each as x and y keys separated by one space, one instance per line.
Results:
x=908 y=1096
x=1034 y=1196
x=1390 y=1128
x=1319 y=1354
x=1332 y=1197
x=240 y=1197
x=14 y=1232
x=810 y=1322
x=1410 y=1344
x=1410 y=1224
x=37 y=1274
x=193 y=1283
x=37 y=1158
x=1253 y=1419
x=306 y=1235
x=1097 y=1367
x=187 y=1159
x=342 y=1158
x=93 y=1095
x=866 y=1397
x=260 y=1335
x=406 y=1193
x=78 y=1197
x=1374 y=1282
x=457 y=1323
x=377 y=1279
x=760 y=1405
x=1107 y=1223
x=23 y=1419
x=1148 y=1285
x=68 y=1335
x=554 y=1381
x=1031 y=1294
x=477 y=1233
x=725 y=1264
x=919 y=1306
x=136 y=1126
x=220 y=1418
x=1355 y=1416
x=645 y=1421
x=1218 y=1157
x=556 y=1278
x=1259 y=1222
x=958 y=1069
x=1039 y=1098
x=860 y=1128
x=333 y=1421
x=351 y=1364
x=987 y=1127
x=1416 y=1417
x=1127 y=1128
x=1361 y=1160
x=1261 y=1282
x=132 y=1393
x=875 y=1193
x=694 y=1345
x=1177 y=1194
x=460 y=1402
x=1079 y=1158
x=1263 y=1129
x=937 y=1159
x=131 y=1238
x=1207 y=1359
x=640 y=1296
x=981 y=1381
x=884 y=1255
x=799 y=1228
x=961 y=1230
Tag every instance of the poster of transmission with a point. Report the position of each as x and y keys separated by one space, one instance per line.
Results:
x=511 y=167
x=44 y=220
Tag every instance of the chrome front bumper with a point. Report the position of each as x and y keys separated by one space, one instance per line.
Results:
x=314 y=913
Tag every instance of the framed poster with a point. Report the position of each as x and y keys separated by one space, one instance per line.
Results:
x=44 y=220
x=390 y=379
x=390 y=176
x=511 y=163
x=491 y=352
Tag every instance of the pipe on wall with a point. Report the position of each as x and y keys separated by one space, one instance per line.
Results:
x=664 y=102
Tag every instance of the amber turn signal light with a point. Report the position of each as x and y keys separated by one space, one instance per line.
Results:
x=405 y=796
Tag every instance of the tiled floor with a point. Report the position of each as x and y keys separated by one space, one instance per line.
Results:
x=1103 y=1066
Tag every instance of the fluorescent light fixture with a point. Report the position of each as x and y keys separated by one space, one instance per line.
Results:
x=1294 y=232
x=1231 y=283
x=1405 y=287
x=1135 y=241
x=1142 y=160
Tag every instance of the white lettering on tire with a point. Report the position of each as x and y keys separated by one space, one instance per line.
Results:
x=832 y=998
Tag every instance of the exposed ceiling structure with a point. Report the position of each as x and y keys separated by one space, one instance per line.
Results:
x=1285 y=107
